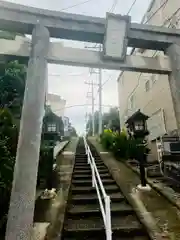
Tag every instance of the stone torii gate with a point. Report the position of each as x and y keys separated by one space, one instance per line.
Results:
x=116 y=33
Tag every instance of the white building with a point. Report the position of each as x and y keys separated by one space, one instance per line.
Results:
x=56 y=103
x=151 y=92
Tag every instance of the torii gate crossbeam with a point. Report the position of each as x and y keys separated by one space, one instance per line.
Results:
x=58 y=54
x=21 y=19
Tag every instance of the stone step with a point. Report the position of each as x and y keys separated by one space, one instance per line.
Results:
x=83 y=210
x=85 y=189
x=88 y=176
x=114 y=238
x=81 y=157
x=82 y=160
x=92 y=198
x=124 y=226
x=88 y=182
x=86 y=164
x=96 y=160
x=89 y=171
x=82 y=164
x=89 y=168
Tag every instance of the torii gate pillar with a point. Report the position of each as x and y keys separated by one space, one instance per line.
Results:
x=21 y=211
x=174 y=79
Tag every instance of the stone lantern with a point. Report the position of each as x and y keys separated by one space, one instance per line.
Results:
x=137 y=127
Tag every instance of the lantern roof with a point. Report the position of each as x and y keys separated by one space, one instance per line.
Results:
x=138 y=115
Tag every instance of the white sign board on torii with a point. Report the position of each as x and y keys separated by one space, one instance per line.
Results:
x=115 y=41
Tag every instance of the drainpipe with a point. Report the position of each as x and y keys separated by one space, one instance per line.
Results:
x=164 y=121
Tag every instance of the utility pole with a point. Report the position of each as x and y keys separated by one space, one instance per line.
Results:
x=100 y=99
x=91 y=95
x=100 y=92
x=93 y=125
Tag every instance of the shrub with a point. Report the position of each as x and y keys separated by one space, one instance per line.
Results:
x=122 y=146
x=107 y=139
x=115 y=142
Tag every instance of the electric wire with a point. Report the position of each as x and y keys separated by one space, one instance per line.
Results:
x=75 y=5
x=164 y=23
x=115 y=2
x=157 y=10
x=131 y=7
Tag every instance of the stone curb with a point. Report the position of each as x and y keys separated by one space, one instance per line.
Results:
x=62 y=149
x=39 y=192
x=172 y=199
x=45 y=232
x=63 y=201
x=144 y=216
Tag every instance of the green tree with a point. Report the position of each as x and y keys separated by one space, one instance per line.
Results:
x=73 y=132
x=12 y=85
x=109 y=119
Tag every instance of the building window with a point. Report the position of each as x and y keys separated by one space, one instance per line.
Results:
x=51 y=127
x=147 y=86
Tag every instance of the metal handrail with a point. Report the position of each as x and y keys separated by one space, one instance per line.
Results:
x=97 y=183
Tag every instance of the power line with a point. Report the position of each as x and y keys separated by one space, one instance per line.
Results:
x=131 y=7
x=115 y=2
x=157 y=10
x=107 y=80
x=111 y=10
x=168 y=19
x=83 y=105
x=67 y=75
x=76 y=5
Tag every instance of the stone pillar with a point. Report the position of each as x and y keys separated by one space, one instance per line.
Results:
x=21 y=211
x=174 y=79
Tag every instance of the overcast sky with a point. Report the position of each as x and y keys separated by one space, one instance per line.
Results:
x=69 y=83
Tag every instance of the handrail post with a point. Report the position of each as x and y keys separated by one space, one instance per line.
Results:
x=88 y=156
x=93 y=174
x=85 y=144
x=108 y=218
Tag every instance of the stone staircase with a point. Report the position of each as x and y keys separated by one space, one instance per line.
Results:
x=83 y=218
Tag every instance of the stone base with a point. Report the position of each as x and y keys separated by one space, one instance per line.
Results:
x=146 y=188
x=39 y=231
x=49 y=194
